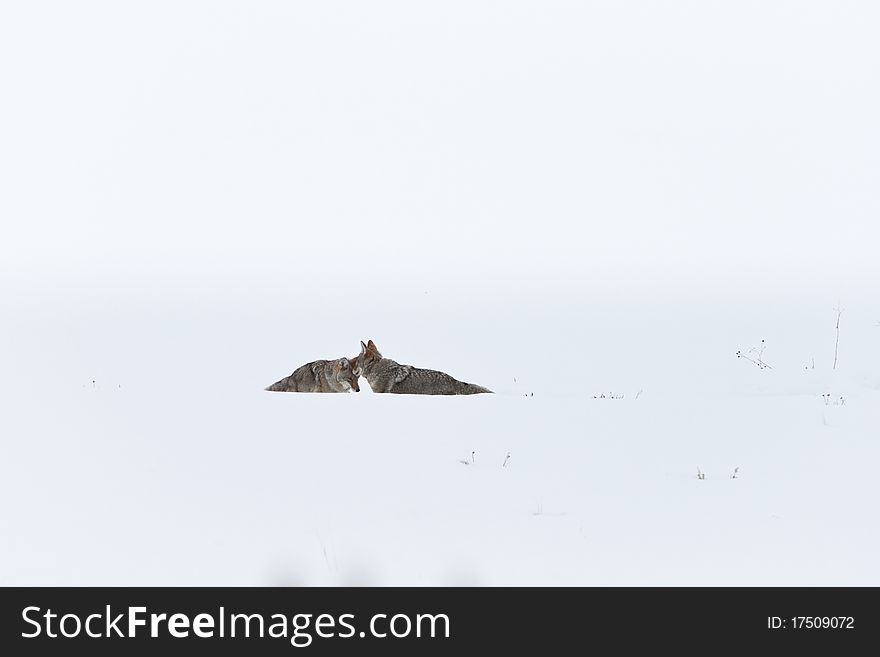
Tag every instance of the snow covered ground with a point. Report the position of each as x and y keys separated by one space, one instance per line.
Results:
x=586 y=207
x=140 y=448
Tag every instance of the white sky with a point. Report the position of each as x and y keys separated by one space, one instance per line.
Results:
x=449 y=139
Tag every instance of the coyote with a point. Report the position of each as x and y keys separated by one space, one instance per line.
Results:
x=321 y=376
x=385 y=375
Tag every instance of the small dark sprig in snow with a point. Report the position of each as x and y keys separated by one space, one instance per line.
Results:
x=755 y=355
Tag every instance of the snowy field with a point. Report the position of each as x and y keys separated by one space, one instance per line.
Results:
x=589 y=208
x=140 y=448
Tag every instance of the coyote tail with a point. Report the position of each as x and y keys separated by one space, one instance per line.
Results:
x=280 y=386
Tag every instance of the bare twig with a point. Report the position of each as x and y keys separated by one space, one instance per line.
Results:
x=756 y=357
x=837 y=338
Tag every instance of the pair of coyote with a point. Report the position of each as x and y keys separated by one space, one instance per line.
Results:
x=383 y=375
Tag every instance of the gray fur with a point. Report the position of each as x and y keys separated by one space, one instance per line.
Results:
x=320 y=376
x=386 y=375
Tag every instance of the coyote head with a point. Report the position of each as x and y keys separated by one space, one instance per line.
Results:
x=369 y=355
x=345 y=374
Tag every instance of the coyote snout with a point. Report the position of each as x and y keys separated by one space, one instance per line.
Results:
x=346 y=374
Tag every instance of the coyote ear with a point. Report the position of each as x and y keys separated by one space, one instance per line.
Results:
x=363 y=347
x=372 y=346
